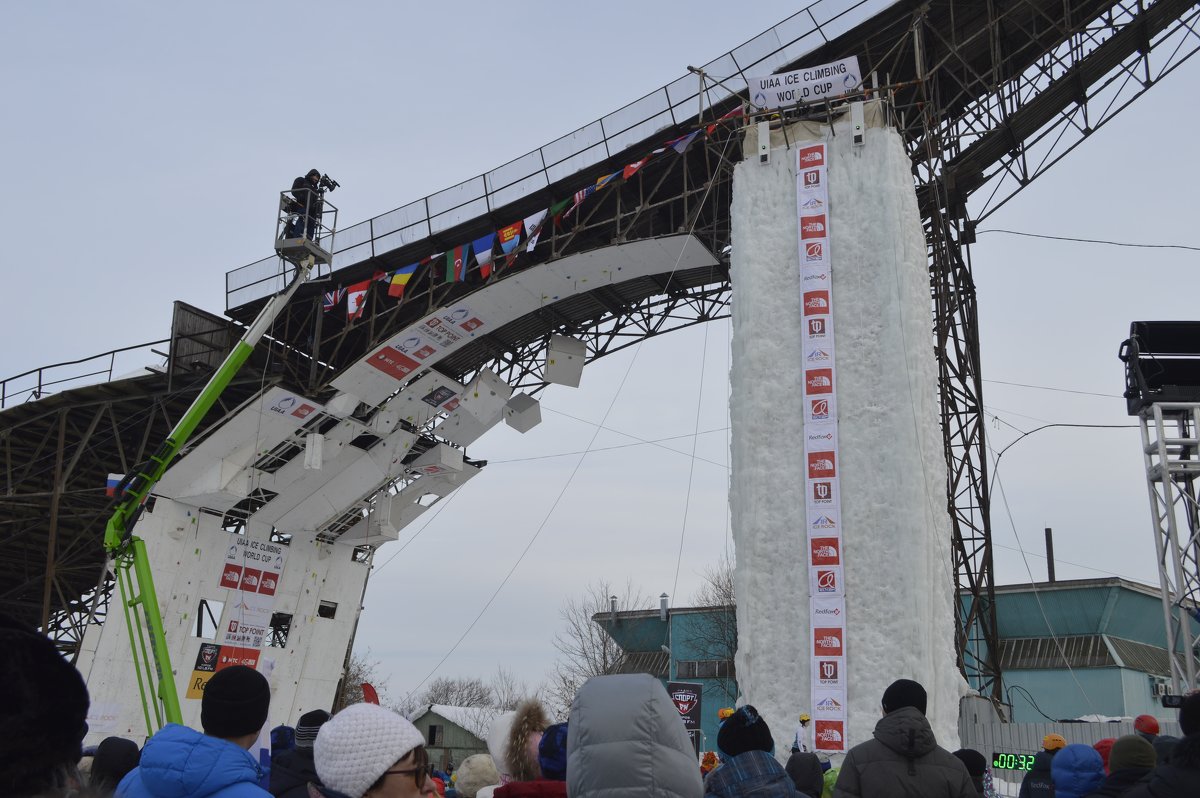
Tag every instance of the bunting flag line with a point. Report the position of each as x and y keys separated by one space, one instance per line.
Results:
x=456 y=263
x=399 y=280
x=483 y=253
x=580 y=196
x=533 y=225
x=631 y=169
x=680 y=144
x=381 y=277
x=357 y=299
x=510 y=239
x=330 y=299
x=604 y=181
x=739 y=111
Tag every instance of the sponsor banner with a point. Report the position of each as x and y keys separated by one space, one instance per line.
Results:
x=817 y=331
x=829 y=705
x=233 y=655
x=821 y=438
x=825 y=551
x=260 y=556
x=829 y=641
x=206 y=657
x=819 y=408
x=287 y=405
x=687 y=699
x=829 y=736
x=828 y=611
x=196 y=684
x=826 y=581
x=806 y=85
x=829 y=673
x=821 y=465
x=821 y=494
x=824 y=522
x=103 y=717
x=246 y=631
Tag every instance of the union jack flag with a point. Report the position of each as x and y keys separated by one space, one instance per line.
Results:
x=330 y=299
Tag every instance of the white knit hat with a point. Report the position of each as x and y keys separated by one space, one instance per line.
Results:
x=357 y=745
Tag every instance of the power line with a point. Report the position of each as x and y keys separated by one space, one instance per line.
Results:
x=1058 y=390
x=1092 y=240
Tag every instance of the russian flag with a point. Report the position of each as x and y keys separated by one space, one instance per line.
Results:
x=110 y=488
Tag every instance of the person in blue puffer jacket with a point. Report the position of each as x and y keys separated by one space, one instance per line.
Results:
x=179 y=762
x=1077 y=770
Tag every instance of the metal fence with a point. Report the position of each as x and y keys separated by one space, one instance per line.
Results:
x=40 y=382
x=672 y=105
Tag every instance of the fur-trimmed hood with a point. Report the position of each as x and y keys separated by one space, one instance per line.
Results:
x=521 y=748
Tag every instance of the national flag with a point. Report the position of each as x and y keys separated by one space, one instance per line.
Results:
x=510 y=239
x=110 y=487
x=533 y=226
x=456 y=263
x=580 y=196
x=604 y=181
x=483 y=253
x=357 y=301
x=330 y=299
x=399 y=279
x=680 y=144
x=631 y=169
x=738 y=111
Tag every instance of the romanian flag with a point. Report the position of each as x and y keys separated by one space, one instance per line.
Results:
x=399 y=279
x=483 y=254
x=456 y=263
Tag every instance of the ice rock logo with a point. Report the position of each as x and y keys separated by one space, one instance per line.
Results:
x=823 y=522
x=818 y=356
x=812 y=204
x=829 y=704
x=812 y=156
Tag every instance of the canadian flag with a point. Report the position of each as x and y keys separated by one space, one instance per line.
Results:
x=356 y=299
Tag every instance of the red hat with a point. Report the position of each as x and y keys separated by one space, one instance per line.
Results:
x=1104 y=748
x=1146 y=723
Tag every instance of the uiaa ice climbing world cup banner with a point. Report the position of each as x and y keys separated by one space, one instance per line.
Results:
x=822 y=497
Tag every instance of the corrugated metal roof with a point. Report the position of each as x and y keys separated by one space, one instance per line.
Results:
x=1141 y=657
x=1077 y=651
x=655 y=663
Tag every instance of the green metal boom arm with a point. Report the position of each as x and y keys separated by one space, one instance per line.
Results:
x=129 y=552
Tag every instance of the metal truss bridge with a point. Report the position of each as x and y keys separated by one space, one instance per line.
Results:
x=987 y=94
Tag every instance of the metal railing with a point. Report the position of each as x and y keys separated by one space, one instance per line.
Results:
x=40 y=382
x=672 y=105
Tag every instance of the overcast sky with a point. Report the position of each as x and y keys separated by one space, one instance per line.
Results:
x=144 y=145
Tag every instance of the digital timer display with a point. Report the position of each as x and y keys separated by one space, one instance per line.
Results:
x=1005 y=761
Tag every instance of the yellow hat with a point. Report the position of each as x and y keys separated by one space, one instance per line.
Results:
x=1053 y=742
x=804 y=718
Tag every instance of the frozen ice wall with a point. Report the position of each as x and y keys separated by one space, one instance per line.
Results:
x=895 y=526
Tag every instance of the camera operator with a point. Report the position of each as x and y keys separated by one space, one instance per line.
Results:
x=308 y=195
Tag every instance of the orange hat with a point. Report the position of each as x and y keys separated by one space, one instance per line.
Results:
x=724 y=712
x=1147 y=724
x=1053 y=742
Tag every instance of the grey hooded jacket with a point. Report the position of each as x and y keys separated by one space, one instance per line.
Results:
x=903 y=761
x=626 y=739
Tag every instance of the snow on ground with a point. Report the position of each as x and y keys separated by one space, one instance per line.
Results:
x=896 y=531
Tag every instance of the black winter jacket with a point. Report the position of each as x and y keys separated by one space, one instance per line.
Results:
x=1179 y=778
x=1038 y=783
x=1119 y=782
x=291 y=771
x=903 y=761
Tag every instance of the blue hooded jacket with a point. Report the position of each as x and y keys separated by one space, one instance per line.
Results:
x=1077 y=770
x=179 y=762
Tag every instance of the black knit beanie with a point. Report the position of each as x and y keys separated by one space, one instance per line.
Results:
x=307 y=727
x=1189 y=715
x=115 y=757
x=745 y=730
x=1132 y=751
x=235 y=703
x=904 y=693
x=43 y=710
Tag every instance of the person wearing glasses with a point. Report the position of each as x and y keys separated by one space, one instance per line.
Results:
x=366 y=751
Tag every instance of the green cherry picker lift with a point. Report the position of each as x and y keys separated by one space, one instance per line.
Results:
x=304 y=222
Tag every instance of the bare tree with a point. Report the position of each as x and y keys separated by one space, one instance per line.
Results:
x=458 y=692
x=717 y=640
x=586 y=649
x=361 y=668
x=508 y=690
